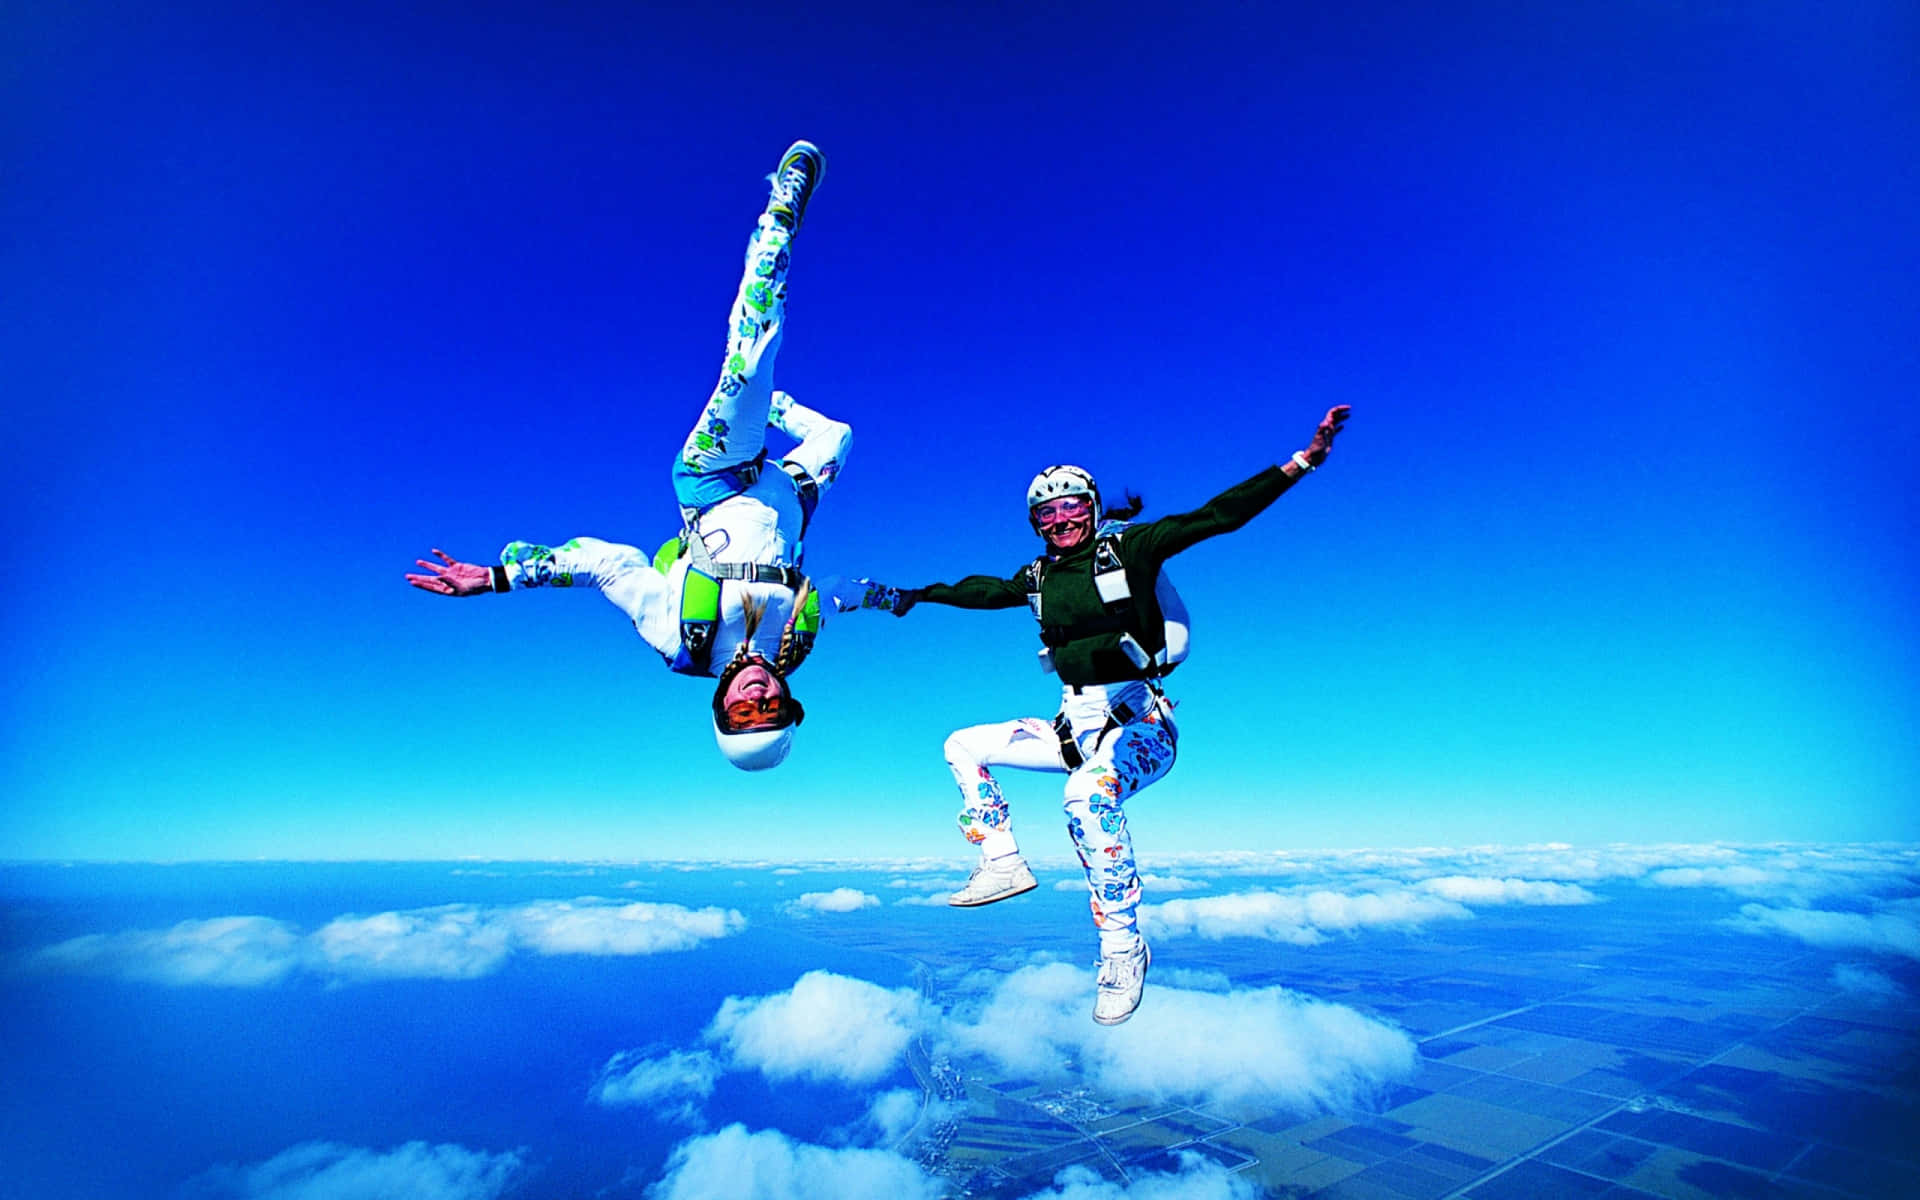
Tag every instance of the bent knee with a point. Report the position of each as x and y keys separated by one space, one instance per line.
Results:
x=959 y=751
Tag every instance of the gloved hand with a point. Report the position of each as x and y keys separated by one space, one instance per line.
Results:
x=867 y=593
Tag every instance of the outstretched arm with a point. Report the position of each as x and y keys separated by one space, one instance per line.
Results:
x=451 y=577
x=1242 y=502
x=621 y=573
x=975 y=591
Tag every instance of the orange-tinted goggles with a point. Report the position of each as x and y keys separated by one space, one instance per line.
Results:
x=768 y=712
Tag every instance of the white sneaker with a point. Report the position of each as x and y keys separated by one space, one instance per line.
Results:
x=993 y=880
x=1122 y=978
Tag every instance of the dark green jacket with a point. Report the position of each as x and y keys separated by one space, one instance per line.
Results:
x=1085 y=639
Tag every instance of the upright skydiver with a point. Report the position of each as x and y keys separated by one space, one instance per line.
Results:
x=1106 y=631
x=727 y=597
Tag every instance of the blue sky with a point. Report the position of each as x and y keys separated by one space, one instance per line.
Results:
x=1619 y=546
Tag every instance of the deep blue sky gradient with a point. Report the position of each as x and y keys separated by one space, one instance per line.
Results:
x=1620 y=544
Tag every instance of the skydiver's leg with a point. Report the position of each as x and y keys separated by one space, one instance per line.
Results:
x=731 y=430
x=824 y=442
x=1027 y=744
x=1126 y=760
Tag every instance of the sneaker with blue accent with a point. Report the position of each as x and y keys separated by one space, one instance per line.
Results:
x=801 y=169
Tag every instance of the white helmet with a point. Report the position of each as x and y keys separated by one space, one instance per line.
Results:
x=1062 y=480
x=755 y=749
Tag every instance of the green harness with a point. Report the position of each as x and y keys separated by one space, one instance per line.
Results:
x=700 y=605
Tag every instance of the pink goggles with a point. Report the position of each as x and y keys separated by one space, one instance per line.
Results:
x=1067 y=508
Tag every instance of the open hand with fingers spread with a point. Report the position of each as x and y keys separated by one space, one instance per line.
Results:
x=451 y=577
x=1330 y=426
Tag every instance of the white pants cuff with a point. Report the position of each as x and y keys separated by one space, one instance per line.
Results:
x=998 y=844
x=1119 y=941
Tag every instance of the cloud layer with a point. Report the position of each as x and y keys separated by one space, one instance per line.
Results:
x=1894 y=930
x=1481 y=889
x=456 y=941
x=1301 y=918
x=1201 y=1046
x=1195 y=1045
x=1199 y=1178
x=733 y=1164
x=326 y=1171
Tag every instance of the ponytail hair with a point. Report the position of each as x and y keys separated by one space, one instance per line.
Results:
x=1127 y=511
x=752 y=609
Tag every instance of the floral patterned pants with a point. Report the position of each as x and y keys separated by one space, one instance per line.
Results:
x=732 y=428
x=1119 y=763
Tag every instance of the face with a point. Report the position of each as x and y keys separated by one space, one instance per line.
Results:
x=1066 y=522
x=756 y=698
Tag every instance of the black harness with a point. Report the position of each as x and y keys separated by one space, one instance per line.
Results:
x=1117 y=716
x=1116 y=602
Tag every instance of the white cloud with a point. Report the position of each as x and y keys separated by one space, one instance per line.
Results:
x=1268 y=1043
x=1193 y=980
x=455 y=941
x=1887 y=932
x=1865 y=981
x=826 y=1027
x=1799 y=872
x=1199 y=1178
x=930 y=900
x=839 y=900
x=1481 y=889
x=1200 y=1044
x=222 y=952
x=1171 y=883
x=1801 y=876
x=325 y=1171
x=670 y=1084
x=733 y=1164
x=1732 y=878
x=894 y=1112
x=596 y=927
x=1302 y=919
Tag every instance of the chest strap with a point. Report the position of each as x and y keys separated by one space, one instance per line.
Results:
x=787 y=577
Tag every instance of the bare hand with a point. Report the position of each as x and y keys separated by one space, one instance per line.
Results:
x=1330 y=426
x=451 y=577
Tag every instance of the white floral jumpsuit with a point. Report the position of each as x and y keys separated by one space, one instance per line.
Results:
x=743 y=516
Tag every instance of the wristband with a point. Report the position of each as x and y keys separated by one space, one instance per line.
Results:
x=1300 y=460
x=500 y=581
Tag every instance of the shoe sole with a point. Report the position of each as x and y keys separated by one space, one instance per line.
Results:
x=952 y=903
x=1128 y=1015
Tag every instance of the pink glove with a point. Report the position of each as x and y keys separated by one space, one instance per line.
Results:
x=1330 y=425
x=451 y=577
